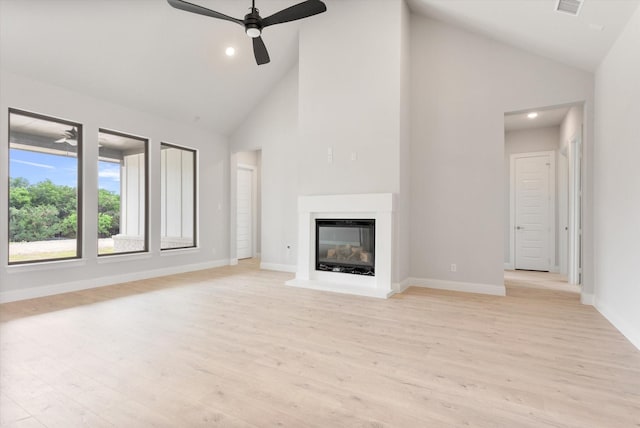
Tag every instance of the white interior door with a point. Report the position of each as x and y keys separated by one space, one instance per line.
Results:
x=244 y=223
x=533 y=211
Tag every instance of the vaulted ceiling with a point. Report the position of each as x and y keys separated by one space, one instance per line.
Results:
x=147 y=55
x=151 y=57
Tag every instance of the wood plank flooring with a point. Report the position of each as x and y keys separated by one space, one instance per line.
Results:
x=234 y=347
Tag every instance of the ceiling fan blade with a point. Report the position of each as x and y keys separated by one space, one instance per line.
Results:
x=260 y=51
x=295 y=12
x=194 y=8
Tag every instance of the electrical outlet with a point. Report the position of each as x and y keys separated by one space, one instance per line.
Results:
x=454 y=268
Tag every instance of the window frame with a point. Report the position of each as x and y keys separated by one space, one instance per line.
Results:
x=79 y=186
x=195 y=195
x=146 y=191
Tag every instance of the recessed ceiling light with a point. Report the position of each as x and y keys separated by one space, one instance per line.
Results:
x=532 y=115
x=231 y=51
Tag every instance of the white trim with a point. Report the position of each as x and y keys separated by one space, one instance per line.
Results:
x=508 y=266
x=233 y=262
x=278 y=267
x=47 y=265
x=554 y=269
x=587 y=299
x=341 y=288
x=178 y=251
x=49 y=290
x=401 y=287
x=126 y=257
x=466 y=287
x=631 y=332
x=552 y=204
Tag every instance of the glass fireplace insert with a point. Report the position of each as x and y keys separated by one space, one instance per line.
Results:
x=346 y=246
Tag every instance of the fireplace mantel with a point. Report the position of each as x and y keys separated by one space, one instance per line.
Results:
x=378 y=206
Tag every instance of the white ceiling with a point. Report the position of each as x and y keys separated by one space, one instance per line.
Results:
x=546 y=118
x=535 y=26
x=149 y=56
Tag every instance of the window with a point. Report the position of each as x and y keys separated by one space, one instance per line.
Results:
x=122 y=193
x=178 y=198
x=45 y=188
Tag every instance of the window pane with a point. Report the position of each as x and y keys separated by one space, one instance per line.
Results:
x=178 y=172
x=44 y=183
x=122 y=190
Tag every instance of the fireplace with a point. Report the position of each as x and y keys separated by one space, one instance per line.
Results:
x=346 y=246
x=354 y=227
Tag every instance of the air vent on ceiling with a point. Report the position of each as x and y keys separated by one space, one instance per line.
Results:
x=572 y=7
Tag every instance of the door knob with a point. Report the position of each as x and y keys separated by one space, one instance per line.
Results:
x=518 y=227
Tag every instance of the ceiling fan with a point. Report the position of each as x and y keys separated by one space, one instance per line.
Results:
x=253 y=23
x=70 y=137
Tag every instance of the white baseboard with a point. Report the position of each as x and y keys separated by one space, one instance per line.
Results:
x=466 y=287
x=233 y=262
x=340 y=288
x=278 y=267
x=587 y=299
x=630 y=331
x=67 y=287
x=508 y=266
x=554 y=269
x=400 y=287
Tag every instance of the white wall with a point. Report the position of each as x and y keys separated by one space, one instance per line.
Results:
x=462 y=85
x=273 y=127
x=403 y=221
x=25 y=281
x=350 y=99
x=526 y=141
x=617 y=192
x=571 y=125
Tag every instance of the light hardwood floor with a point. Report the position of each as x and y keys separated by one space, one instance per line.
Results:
x=235 y=347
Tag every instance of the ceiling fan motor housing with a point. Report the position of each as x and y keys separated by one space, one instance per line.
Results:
x=253 y=24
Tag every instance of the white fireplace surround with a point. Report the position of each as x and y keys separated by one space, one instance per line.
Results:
x=377 y=206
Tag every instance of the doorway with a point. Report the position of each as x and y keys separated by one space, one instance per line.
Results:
x=246 y=201
x=244 y=212
x=542 y=192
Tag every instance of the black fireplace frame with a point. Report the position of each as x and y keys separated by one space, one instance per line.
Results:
x=344 y=267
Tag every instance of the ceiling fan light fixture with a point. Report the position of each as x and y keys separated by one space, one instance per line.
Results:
x=253 y=32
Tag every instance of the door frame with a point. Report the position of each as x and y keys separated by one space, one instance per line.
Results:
x=552 y=206
x=575 y=209
x=254 y=206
